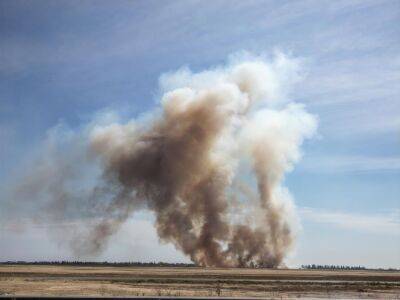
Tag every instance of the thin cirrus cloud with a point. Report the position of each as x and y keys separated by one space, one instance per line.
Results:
x=355 y=97
x=387 y=224
x=349 y=164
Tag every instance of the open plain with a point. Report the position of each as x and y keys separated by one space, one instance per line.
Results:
x=47 y=280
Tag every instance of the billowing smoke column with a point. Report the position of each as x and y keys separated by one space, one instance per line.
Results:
x=191 y=163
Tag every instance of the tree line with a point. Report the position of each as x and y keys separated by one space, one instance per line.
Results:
x=332 y=267
x=342 y=267
x=99 y=263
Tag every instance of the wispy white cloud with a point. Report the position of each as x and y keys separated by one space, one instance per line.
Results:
x=334 y=164
x=366 y=119
x=355 y=96
x=388 y=223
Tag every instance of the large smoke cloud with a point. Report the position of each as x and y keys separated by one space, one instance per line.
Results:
x=190 y=162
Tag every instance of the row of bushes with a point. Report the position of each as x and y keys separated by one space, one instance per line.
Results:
x=340 y=267
x=332 y=267
x=96 y=263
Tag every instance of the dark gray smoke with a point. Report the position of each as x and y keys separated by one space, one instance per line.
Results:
x=182 y=163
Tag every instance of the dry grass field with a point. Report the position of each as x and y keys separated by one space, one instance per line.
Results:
x=25 y=280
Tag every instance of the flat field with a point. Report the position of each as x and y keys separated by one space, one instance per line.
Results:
x=44 y=280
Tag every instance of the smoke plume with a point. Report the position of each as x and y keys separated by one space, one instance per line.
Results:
x=208 y=163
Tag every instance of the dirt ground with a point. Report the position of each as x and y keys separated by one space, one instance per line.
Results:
x=25 y=280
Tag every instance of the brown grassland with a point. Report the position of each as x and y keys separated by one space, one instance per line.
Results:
x=38 y=280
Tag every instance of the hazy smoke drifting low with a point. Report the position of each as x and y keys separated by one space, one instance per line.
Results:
x=188 y=162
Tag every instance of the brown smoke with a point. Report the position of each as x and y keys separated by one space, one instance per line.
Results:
x=182 y=163
x=175 y=167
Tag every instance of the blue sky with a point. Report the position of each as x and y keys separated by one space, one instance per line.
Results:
x=64 y=61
